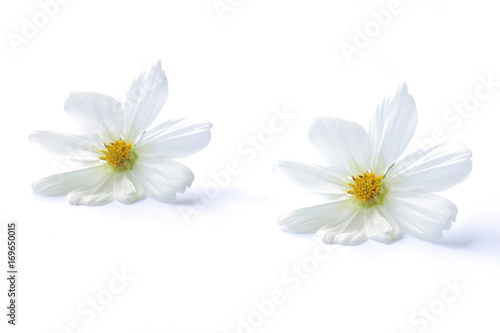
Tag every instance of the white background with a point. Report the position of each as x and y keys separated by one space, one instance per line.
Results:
x=204 y=272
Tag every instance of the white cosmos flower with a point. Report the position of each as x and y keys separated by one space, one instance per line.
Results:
x=371 y=193
x=117 y=157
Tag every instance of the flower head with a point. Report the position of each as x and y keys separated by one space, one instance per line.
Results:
x=116 y=157
x=371 y=192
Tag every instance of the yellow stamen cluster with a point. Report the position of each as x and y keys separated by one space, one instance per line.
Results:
x=366 y=187
x=117 y=154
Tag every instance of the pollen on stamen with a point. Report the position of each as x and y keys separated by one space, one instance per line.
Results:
x=366 y=187
x=117 y=153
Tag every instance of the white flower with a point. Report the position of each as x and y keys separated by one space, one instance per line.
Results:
x=371 y=194
x=116 y=157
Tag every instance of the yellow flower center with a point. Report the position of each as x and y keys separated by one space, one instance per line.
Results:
x=366 y=187
x=118 y=154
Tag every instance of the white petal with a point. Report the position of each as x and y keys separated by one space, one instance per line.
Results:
x=162 y=179
x=98 y=194
x=342 y=143
x=420 y=214
x=392 y=127
x=64 y=183
x=144 y=101
x=175 y=139
x=380 y=226
x=100 y=116
x=331 y=235
x=57 y=143
x=77 y=150
x=317 y=178
x=310 y=219
x=126 y=188
x=350 y=231
x=432 y=170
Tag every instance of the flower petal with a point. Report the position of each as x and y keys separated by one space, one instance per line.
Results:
x=144 y=101
x=126 y=188
x=77 y=150
x=342 y=143
x=380 y=226
x=63 y=183
x=99 y=194
x=57 y=143
x=432 y=170
x=349 y=231
x=311 y=219
x=100 y=116
x=314 y=177
x=420 y=214
x=162 y=179
x=175 y=139
x=392 y=127
x=331 y=235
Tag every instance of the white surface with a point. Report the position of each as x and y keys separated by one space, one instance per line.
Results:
x=204 y=273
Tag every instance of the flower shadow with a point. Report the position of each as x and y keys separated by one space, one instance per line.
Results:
x=460 y=242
